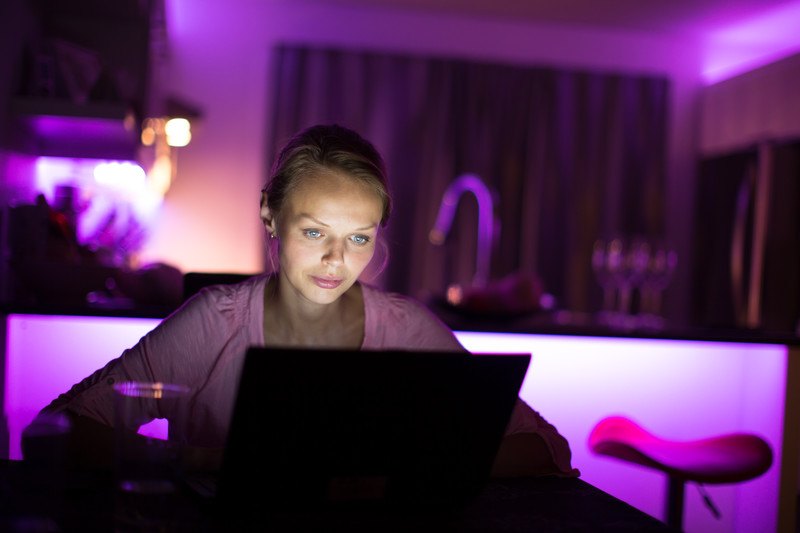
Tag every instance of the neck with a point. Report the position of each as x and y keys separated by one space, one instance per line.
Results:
x=290 y=320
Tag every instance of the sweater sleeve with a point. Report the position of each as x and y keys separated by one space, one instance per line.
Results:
x=182 y=350
x=525 y=420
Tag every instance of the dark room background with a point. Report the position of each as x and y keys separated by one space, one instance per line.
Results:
x=571 y=156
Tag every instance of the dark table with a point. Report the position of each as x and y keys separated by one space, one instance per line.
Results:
x=41 y=499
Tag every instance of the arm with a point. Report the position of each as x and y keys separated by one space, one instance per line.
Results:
x=182 y=349
x=532 y=447
x=523 y=454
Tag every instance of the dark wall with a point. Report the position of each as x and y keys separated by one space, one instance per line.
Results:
x=78 y=58
x=18 y=26
x=109 y=43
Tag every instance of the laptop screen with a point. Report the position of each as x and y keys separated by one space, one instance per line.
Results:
x=315 y=427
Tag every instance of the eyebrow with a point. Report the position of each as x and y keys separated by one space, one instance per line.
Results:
x=321 y=223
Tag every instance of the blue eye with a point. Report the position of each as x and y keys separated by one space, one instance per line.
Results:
x=360 y=240
x=312 y=233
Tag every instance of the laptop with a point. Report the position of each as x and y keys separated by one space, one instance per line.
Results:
x=320 y=429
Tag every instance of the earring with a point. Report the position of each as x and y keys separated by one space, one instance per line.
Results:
x=271 y=235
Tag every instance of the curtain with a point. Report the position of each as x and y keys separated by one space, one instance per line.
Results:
x=571 y=156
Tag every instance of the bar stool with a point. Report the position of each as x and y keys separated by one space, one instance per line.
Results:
x=720 y=459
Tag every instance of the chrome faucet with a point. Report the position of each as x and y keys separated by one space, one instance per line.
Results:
x=486 y=221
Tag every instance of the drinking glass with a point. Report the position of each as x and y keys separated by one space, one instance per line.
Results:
x=148 y=468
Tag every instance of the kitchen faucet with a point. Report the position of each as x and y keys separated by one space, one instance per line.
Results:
x=486 y=221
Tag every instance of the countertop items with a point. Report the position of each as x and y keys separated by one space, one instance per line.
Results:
x=559 y=322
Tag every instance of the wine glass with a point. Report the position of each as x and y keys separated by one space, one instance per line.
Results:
x=636 y=258
x=660 y=269
x=602 y=274
x=608 y=263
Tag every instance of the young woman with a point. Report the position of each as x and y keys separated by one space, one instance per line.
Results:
x=323 y=209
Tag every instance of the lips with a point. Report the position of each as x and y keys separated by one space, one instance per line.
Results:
x=326 y=283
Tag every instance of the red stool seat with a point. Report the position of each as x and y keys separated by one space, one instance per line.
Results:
x=728 y=458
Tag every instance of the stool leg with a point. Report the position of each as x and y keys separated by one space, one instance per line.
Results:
x=675 y=503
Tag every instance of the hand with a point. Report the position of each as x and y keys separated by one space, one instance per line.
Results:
x=84 y=442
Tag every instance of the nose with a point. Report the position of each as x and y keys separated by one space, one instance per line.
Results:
x=334 y=255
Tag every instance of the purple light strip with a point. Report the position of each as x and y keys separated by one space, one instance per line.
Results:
x=734 y=49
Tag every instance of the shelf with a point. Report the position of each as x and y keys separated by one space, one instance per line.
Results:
x=65 y=108
x=60 y=128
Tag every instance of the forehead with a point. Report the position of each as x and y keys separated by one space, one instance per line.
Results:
x=325 y=190
x=325 y=178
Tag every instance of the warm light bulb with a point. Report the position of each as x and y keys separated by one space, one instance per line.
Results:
x=148 y=136
x=178 y=131
x=150 y=130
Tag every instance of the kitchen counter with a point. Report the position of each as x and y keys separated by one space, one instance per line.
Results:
x=681 y=384
x=582 y=324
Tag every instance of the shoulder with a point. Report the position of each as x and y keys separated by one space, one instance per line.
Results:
x=231 y=302
x=398 y=306
x=233 y=289
x=389 y=301
x=228 y=296
x=217 y=322
x=394 y=320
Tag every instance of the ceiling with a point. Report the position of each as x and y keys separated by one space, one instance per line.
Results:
x=662 y=16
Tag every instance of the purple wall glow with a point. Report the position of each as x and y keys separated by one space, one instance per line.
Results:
x=747 y=45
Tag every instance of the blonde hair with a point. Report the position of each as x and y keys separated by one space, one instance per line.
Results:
x=331 y=147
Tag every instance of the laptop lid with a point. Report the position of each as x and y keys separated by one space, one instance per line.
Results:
x=318 y=428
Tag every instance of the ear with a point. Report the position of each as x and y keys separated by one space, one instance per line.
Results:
x=268 y=216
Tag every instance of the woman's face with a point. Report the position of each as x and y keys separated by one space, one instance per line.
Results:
x=327 y=229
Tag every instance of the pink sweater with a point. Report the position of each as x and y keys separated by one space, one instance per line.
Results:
x=202 y=345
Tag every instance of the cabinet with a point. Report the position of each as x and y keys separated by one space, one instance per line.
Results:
x=79 y=87
x=85 y=77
